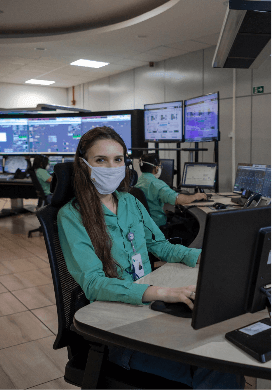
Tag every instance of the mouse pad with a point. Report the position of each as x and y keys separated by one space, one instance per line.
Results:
x=178 y=309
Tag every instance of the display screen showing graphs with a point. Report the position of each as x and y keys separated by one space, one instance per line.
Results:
x=56 y=134
x=201 y=118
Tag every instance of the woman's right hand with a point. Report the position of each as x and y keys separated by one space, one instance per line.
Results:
x=170 y=294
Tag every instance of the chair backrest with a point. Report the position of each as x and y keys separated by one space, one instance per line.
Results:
x=139 y=194
x=37 y=185
x=69 y=295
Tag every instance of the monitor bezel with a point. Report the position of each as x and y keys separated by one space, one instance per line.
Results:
x=182 y=121
x=199 y=186
x=218 y=132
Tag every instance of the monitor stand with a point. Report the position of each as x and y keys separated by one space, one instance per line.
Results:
x=178 y=309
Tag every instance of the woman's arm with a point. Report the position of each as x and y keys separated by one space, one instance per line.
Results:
x=167 y=294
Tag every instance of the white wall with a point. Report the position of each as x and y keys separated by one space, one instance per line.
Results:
x=188 y=76
x=20 y=96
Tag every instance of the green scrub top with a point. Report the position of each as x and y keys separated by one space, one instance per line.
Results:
x=87 y=269
x=42 y=176
x=157 y=193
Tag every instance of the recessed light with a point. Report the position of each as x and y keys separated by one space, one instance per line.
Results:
x=89 y=64
x=40 y=48
x=40 y=82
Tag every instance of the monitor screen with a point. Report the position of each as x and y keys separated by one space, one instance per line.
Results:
x=68 y=159
x=266 y=190
x=13 y=135
x=120 y=123
x=53 y=160
x=167 y=174
x=201 y=175
x=201 y=122
x=54 y=134
x=253 y=177
x=163 y=122
x=1 y=164
x=12 y=163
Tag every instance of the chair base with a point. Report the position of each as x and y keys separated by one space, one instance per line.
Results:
x=39 y=229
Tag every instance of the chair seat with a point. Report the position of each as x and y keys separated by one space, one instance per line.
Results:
x=112 y=373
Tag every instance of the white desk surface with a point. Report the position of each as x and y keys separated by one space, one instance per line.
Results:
x=141 y=324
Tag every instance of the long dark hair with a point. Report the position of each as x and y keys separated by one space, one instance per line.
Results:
x=87 y=201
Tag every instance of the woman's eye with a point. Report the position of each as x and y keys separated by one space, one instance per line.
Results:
x=119 y=159
x=100 y=160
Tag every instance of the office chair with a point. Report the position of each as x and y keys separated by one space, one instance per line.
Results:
x=87 y=366
x=41 y=196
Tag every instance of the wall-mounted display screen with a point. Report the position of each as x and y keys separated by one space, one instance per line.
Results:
x=120 y=123
x=55 y=135
x=201 y=118
x=60 y=134
x=13 y=135
x=163 y=122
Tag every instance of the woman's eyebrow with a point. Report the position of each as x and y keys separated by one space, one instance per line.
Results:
x=120 y=155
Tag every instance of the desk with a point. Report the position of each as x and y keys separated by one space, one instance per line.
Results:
x=17 y=190
x=142 y=329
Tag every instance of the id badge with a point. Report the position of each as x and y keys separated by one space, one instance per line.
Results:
x=138 y=265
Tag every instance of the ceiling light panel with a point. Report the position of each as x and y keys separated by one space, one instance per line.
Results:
x=39 y=82
x=89 y=64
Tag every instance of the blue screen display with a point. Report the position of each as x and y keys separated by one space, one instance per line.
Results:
x=55 y=135
x=201 y=118
x=13 y=135
x=120 y=123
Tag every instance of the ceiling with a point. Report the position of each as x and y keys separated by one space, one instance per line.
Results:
x=39 y=39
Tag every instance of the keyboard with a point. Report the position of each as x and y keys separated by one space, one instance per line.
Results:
x=6 y=177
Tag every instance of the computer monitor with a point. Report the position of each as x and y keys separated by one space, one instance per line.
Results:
x=201 y=118
x=121 y=123
x=54 y=134
x=226 y=262
x=253 y=177
x=1 y=164
x=260 y=271
x=199 y=175
x=163 y=122
x=53 y=160
x=68 y=159
x=167 y=174
x=13 y=135
x=12 y=163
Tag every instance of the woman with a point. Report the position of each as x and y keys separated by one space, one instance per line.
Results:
x=101 y=229
x=157 y=192
x=39 y=166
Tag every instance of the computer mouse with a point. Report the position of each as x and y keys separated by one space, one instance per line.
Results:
x=178 y=309
x=219 y=206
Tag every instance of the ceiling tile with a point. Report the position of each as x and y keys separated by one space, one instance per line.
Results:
x=209 y=39
x=189 y=46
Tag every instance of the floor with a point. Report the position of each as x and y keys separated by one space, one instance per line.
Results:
x=28 y=315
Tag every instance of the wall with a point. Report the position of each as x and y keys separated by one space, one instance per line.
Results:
x=187 y=76
x=20 y=96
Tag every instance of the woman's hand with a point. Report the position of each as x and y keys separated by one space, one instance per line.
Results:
x=171 y=295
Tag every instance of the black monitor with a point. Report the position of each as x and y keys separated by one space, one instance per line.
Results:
x=12 y=163
x=199 y=175
x=163 y=122
x=54 y=134
x=167 y=174
x=260 y=271
x=13 y=136
x=253 y=177
x=1 y=164
x=226 y=263
x=201 y=118
x=53 y=160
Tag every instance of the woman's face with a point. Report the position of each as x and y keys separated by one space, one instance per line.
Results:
x=105 y=153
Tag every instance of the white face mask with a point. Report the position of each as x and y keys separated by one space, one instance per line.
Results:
x=158 y=174
x=106 y=180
